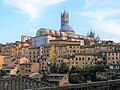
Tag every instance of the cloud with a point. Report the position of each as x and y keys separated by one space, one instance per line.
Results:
x=103 y=20
x=32 y=7
x=103 y=3
x=104 y=17
x=101 y=14
x=108 y=26
x=89 y=3
x=115 y=39
x=106 y=21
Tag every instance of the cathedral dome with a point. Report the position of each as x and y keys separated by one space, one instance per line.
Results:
x=66 y=28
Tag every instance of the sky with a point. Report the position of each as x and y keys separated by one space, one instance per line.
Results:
x=25 y=17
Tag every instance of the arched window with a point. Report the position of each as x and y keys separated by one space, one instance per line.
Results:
x=45 y=41
x=41 y=33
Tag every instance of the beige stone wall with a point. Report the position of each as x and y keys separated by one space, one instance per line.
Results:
x=1 y=61
x=80 y=61
x=34 y=54
x=24 y=68
x=14 y=49
x=35 y=67
x=113 y=57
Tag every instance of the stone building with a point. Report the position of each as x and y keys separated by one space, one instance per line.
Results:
x=16 y=49
x=34 y=54
x=66 y=32
x=24 y=66
x=6 y=62
x=113 y=57
x=57 y=79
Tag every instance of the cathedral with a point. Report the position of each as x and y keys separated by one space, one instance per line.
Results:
x=66 y=32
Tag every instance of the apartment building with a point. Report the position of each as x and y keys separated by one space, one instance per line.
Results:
x=34 y=54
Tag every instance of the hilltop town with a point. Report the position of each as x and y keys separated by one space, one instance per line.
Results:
x=59 y=53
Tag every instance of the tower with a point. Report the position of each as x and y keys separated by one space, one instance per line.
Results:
x=64 y=18
x=92 y=34
x=65 y=27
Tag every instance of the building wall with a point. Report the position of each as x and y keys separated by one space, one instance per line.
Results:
x=1 y=61
x=113 y=57
x=14 y=49
x=35 y=67
x=34 y=54
x=24 y=68
x=80 y=60
x=5 y=62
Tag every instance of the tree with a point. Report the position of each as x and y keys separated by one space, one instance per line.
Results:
x=76 y=78
x=2 y=73
x=54 y=69
x=73 y=69
x=63 y=68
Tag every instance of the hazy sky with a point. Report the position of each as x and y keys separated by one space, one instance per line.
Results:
x=25 y=17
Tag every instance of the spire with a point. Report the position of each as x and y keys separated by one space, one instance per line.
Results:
x=65 y=12
x=97 y=38
x=91 y=31
x=64 y=18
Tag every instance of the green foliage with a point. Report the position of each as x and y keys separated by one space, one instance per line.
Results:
x=2 y=73
x=89 y=73
x=63 y=69
x=54 y=69
x=76 y=78
x=73 y=70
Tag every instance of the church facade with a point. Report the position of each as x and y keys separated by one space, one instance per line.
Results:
x=66 y=32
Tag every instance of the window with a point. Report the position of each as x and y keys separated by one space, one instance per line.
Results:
x=41 y=33
x=76 y=58
x=76 y=62
x=34 y=56
x=22 y=68
x=33 y=60
x=72 y=62
x=37 y=61
x=82 y=58
x=74 y=50
x=45 y=41
x=68 y=62
x=88 y=58
x=79 y=58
